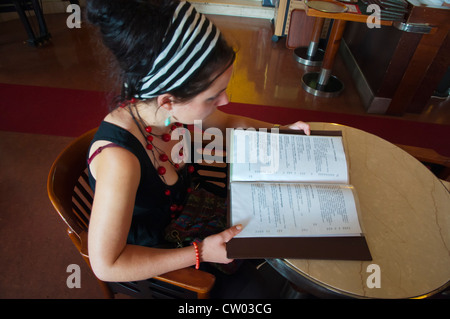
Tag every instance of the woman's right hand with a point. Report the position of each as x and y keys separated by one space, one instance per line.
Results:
x=213 y=248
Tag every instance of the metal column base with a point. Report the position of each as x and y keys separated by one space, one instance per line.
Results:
x=301 y=56
x=333 y=88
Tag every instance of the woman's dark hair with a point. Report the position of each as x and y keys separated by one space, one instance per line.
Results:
x=133 y=30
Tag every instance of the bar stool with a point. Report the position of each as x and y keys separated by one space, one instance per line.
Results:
x=323 y=83
x=311 y=55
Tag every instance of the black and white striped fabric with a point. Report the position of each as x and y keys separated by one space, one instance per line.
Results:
x=189 y=40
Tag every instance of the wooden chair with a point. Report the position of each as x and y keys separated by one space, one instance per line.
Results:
x=438 y=164
x=69 y=191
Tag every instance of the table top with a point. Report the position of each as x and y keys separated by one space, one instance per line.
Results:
x=347 y=16
x=405 y=216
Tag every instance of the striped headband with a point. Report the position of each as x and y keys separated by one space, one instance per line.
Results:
x=188 y=42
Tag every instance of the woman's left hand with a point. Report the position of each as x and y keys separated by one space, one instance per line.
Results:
x=299 y=126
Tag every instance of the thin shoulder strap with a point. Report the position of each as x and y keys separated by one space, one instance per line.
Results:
x=99 y=150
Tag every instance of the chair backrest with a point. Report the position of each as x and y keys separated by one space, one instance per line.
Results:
x=69 y=191
x=68 y=185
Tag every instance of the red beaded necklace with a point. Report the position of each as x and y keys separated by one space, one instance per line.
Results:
x=166 y=137
x=149 y=135
x=158 y=155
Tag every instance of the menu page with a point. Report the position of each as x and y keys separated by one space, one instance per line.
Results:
x=291 y=210
x=264 y=156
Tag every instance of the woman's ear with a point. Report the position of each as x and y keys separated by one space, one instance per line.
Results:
x=166 y=101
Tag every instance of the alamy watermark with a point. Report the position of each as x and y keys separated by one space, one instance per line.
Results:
x=74 y=19
x=262 y=148
x=372 y=281
x=74 y=279
x=373 y=20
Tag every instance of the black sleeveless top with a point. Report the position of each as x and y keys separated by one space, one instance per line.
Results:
x=152 y=211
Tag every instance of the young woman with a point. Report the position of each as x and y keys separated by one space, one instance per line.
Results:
x=175 y=68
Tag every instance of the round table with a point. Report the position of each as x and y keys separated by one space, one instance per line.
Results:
x=405 y=216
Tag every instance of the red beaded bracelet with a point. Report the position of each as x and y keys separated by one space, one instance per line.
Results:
x=197 y=255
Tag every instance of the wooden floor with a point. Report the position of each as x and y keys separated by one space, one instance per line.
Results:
x=265 y=72
x=35 y=249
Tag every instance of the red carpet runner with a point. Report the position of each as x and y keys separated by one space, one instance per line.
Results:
x=66 y=112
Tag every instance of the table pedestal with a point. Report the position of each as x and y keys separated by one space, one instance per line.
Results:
x=312 y=55
x=323 y=83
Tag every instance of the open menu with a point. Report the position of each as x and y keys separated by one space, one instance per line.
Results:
x=292 y=194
